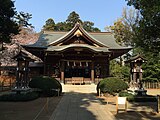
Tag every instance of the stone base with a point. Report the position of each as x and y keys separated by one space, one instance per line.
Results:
x=21 y=90
x=137 y=91
x=141 y=92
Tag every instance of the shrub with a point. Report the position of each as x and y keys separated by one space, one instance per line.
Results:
x=46 y=84
x=111 y=85
x=130 y=97
x=19 y=97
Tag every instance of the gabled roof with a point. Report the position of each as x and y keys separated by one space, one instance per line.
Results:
x=75 y=30
x=48 y=38
x=136 y=58
x=97 y=41
x=25 y=55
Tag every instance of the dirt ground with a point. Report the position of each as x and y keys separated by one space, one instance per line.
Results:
x=153 y=92
x=135 y=110
x=39 y=109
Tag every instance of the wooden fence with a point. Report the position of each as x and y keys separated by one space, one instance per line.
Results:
x=151 y=85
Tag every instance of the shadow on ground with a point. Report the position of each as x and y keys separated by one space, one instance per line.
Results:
x=79 y=106
x=142 y=110
x=28 y=110
x=137 y=115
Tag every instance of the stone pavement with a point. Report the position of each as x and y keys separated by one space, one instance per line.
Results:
x=80 y=103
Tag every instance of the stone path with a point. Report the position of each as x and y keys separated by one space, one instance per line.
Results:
x=80 y=103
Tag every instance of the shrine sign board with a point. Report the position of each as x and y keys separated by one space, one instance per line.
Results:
x=121 y=103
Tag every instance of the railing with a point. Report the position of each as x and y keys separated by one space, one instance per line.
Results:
x=77 y=80
x=71 y=80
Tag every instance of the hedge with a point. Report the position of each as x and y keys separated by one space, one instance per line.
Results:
x=111 y=85
x=46 y=84
x=19 y=97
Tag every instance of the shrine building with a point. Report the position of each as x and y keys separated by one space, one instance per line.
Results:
x=76 y=54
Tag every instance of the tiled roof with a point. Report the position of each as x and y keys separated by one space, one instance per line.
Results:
x=48 y=37
x=24 y=54
x=135 y=58
x=49 y=40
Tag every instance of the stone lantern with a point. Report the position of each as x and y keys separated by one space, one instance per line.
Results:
x=22 y=71
x=136 y=72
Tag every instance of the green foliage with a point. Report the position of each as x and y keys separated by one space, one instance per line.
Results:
x=151 y=70
x=116 y=70
x=88 y=26
x=130 y=97
x=8 y=26
x=19 y=97
x=61 y=26
x=72 y=19
x=46 y=84
x=123 y=27
x=148 y=32
x=111 y=85
x=50 y=24
x=67 y=25
x=23 y=19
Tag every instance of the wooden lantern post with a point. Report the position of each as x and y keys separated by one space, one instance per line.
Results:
x=136 y=74
x=22 y=71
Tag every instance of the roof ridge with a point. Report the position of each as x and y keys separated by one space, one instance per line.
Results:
x=45 y=32
x=100 y=33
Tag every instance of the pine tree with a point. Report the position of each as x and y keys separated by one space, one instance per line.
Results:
x=8 y=26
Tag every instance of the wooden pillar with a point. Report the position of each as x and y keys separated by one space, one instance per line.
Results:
x=18 y=75
x=140 y=76
x=0 y=68
x=105 y=68
x=108 y=70
x=62 y=76
x=62 y=71
x=134 y=77
x=25 y=75
x=44 y=72
x=92 y=72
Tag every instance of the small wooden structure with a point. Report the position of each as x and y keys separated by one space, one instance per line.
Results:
x=136 y=74
x=23 y=59
x=121 y=103
x=22 y=70
x=136 y=69
x=76 y=80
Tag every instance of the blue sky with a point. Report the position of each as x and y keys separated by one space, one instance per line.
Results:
x=101 y=12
